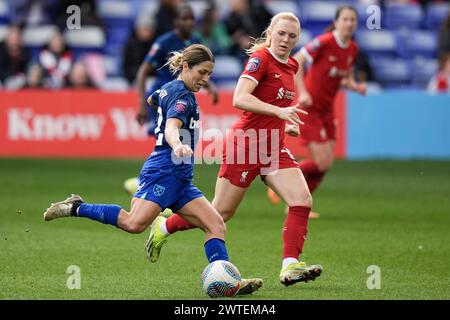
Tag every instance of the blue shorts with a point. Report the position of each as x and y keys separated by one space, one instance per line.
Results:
x=166 y=190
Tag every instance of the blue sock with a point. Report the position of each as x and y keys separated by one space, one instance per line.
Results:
x=215 y=250
x=105 y=213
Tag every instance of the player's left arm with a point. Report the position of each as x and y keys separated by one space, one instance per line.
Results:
x=350 y=83
x=172 y=136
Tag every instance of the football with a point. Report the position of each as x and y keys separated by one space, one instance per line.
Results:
x=221 y=279
x=130 y=185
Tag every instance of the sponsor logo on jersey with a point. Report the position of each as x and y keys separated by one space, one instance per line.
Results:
x=285 y=94
x=158 y=190
x=194 y=124
x=180 y=106
x=335 y=72
x=154 y=49
x=253 y=64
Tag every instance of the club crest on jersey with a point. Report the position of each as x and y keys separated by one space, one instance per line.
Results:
x=154 y=49
x=253 y=64
x=158 y=190
x=180 y=105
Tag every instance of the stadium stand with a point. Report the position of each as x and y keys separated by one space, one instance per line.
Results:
x=405 y=46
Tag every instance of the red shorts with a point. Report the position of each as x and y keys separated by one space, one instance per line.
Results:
x=319 y=127
x=242 y=175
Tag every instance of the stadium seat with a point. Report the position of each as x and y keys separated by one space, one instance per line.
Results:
x=86 y=39
x=423 y=70
x=275 y=6
x=3 y=31
x=390 y=71
x=226 y=68
x=412 y=43
x=113 y=65
x=376 y=42
x=305 y=37
x=397 y=16
x=4 y=12
x=435 y=14
x=36 y=37
x=118 y=16
x=199 y=7
x=317 y=15
x=114 y=84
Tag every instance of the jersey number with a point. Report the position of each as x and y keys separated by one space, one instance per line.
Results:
x=159 y=135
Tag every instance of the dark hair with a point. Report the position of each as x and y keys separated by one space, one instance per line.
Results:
x=182 y=7
x=339 y=10
x=193 y=55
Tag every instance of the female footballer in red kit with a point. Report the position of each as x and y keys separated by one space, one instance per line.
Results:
x=331 y=57
x=266 y=94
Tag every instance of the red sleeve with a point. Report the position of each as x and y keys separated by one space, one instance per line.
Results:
x=256 y=66
x=313 y=49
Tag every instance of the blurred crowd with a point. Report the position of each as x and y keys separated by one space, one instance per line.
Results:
x=56 y=66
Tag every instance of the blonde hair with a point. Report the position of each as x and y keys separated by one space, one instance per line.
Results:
x=264 y=40
x=193 y=55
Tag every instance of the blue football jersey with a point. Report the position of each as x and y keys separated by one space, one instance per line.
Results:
x=174 y=100
x=160 y=51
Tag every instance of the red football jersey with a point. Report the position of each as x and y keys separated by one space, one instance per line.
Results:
x=330 y=61
x=276 y=86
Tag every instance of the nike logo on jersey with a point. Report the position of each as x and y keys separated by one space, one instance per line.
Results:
x=277 y=75
x=332 y=58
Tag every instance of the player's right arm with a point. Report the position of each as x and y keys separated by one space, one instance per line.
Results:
x=144 y=71
x=172 y=136
x=244 y=99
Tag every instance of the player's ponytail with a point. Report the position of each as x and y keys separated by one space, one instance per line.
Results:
x=193 y=55
x=264 y=40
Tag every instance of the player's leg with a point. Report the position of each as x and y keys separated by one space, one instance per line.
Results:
x=290 y=184
x=226 y=200
x=202 y=212
x=141 y=215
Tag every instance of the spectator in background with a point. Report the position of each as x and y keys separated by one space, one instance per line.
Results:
x=138 y=46
x=34 y=77
x=14 y=58
x=444 y=37
x=247 y=20
x=79 y=77
x=440 y=83
x=213 y=33
x=165 y=15
x=55 y=60
x=32 y=12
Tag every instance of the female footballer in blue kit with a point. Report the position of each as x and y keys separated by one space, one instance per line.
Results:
x=166 y=176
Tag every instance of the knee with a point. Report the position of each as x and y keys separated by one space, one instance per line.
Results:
x=217 y=228
x=303 y=200
x=324 y=162
x=133 y=227
x=226 y=214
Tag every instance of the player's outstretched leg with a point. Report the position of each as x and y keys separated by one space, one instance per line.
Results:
x=62 y=208
x=156 y=239
x=299 y=271
x=248 y=286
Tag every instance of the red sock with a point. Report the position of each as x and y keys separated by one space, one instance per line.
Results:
x=314 y=181
x=294 y=231
x=176 y=223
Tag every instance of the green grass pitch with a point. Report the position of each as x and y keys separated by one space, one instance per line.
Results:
x=391 y=214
